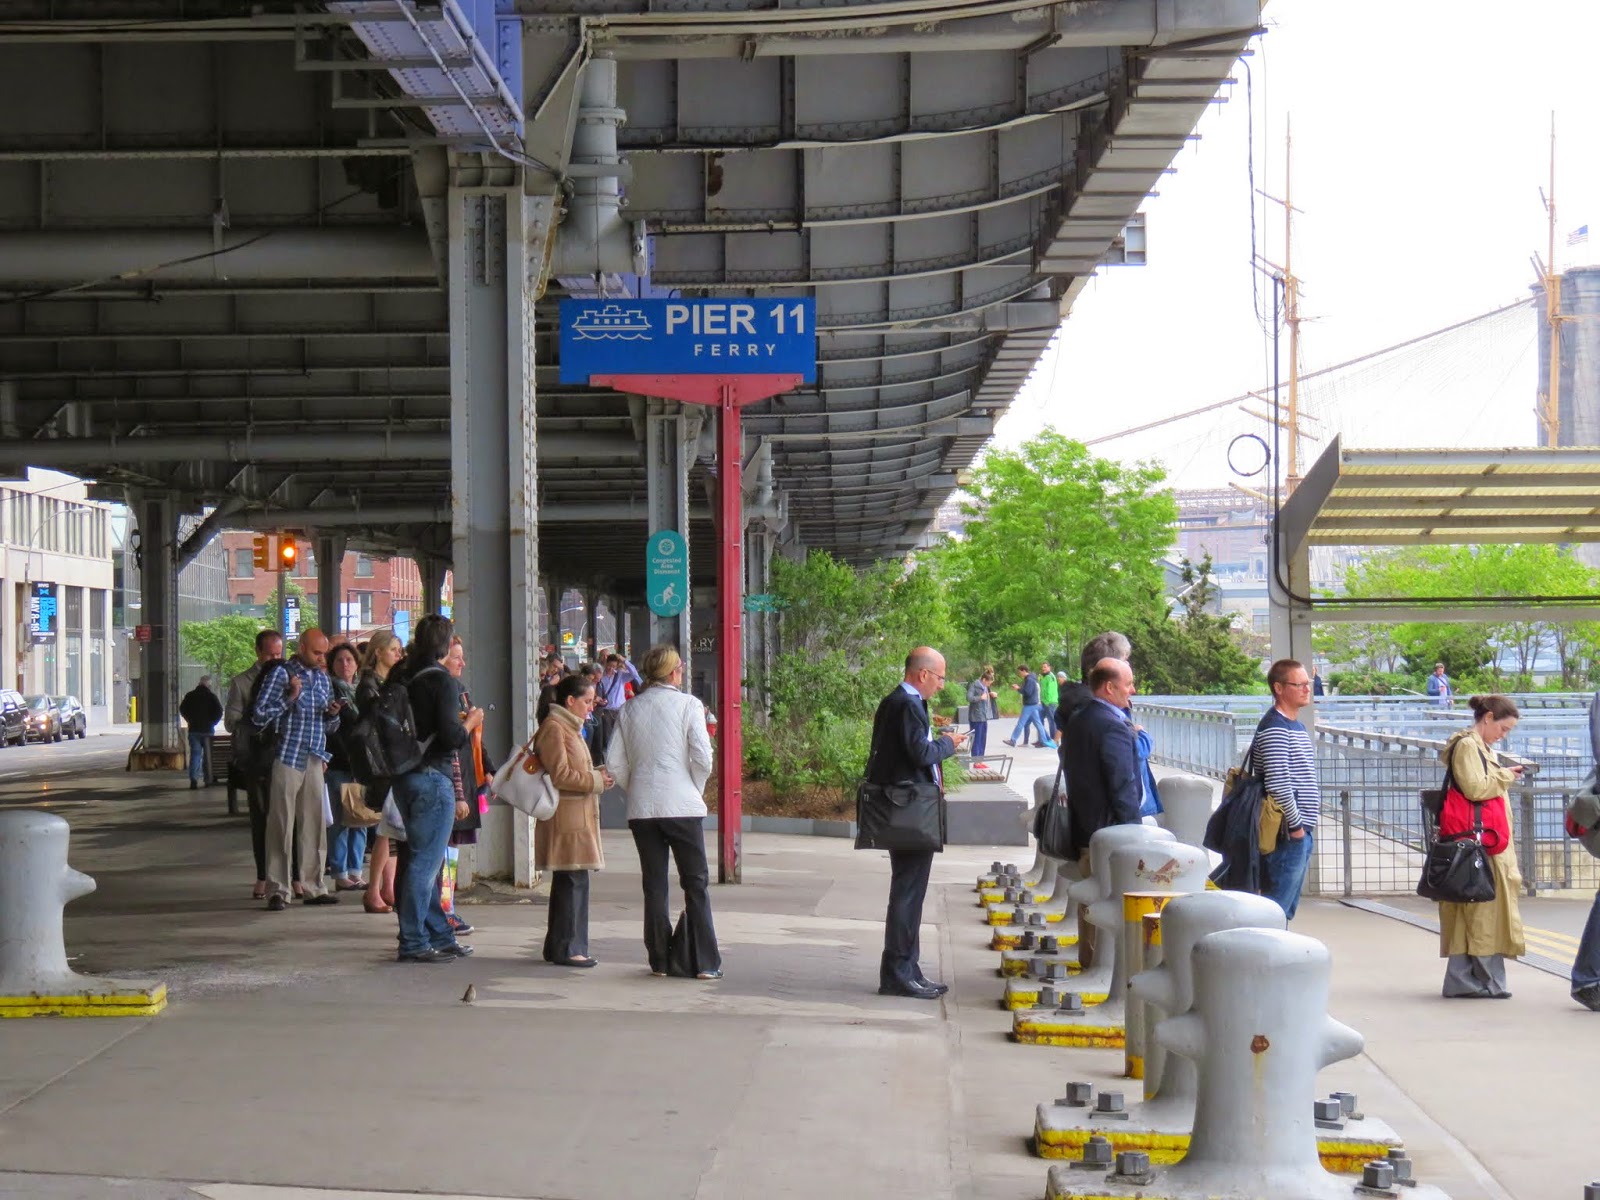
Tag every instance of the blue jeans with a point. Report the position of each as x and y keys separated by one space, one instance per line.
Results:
x=347 y=848
x=1032 y=717
x=199 y=756
x=980 y=739
x=427 y=803
x=1586 y=967
x=1285 y=871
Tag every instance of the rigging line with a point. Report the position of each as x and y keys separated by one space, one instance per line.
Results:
x=1340 y=366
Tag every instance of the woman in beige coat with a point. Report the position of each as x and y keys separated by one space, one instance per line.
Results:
x=568 y=844
x=1476 y=939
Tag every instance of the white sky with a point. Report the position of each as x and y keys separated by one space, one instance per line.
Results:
x=1421 y=143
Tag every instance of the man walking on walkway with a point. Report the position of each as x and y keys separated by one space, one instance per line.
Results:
x=1440 y=687
x=200 y=710
x=1032 y=716
x=904 y=750
x=1049 y=697
x=300 y=693
x=1286 y=760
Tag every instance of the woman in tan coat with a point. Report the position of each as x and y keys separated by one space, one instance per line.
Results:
x=568 y=844
x=1476 y=939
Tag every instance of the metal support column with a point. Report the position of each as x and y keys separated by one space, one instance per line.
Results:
x=495 y=240
x=730 y=606
x=157 y=515
x=553 y=593
x=432 y=572
x=670 y=435
x=328 y=552
x=591 y=619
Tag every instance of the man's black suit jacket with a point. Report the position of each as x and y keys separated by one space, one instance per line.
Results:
x=1103 y=782
x=901 y=751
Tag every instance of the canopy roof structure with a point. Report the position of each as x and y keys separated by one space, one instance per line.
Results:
x=1424 y=497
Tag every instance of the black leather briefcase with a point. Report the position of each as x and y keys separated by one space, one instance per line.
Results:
x=900 y=816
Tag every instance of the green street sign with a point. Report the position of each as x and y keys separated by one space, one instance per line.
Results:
x=761 y=602
x=666 y=572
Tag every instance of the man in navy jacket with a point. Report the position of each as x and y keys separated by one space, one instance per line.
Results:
x=904 y=750
x=1104 y=786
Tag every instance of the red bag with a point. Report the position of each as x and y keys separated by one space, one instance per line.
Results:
x=1456 y=819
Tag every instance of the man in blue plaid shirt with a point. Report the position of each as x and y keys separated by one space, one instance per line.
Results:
x=298 y=698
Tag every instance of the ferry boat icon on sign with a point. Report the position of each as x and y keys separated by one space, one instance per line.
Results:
x=612 y=323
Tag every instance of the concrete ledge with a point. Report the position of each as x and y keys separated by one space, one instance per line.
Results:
x=1062 y=1134
x=121 y=998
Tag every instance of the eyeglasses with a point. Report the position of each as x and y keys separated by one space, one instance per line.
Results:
x=1297 y=683
x=934 y=673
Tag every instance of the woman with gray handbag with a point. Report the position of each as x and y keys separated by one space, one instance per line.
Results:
x=1476 y=938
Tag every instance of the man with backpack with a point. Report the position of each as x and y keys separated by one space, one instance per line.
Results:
x=200 y=710
x=242 y=693
x=297 y=699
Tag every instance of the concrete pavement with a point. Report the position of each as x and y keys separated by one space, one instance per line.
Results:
x=296 y=1054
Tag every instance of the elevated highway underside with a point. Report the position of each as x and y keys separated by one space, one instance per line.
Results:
x=304 y=266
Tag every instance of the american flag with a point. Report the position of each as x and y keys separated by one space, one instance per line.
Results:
x=1578 y=235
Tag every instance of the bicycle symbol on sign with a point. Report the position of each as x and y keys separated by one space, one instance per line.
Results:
x=666 y=597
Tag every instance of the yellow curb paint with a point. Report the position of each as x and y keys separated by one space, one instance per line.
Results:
x=1338 y=1155
x=998 y=896
x=1003 y=914
x=1135 y=1066
x=1009 y=937
x=1029 y=1033
x=87 y=1004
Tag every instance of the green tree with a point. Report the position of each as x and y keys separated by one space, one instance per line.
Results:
x=1060 y=544
x=1193 y=650
x=223 y=645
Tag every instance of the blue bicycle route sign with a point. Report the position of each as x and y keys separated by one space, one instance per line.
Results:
x=776 y=335
x=666 y=572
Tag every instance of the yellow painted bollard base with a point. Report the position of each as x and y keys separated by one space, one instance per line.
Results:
x=1001 y=914
x=1045 y=1032
x=1008 y=937
x=1341 y=1155
x=988 y=896
x=130 y=1001
x=1024 y=993
x=1015 y=962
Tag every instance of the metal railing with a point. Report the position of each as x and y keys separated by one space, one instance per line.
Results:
x=1374 y=762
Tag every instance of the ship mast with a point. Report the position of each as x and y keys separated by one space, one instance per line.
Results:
x=1550 y=400
x=1290 y=423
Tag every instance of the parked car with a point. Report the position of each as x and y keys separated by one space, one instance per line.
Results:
x=13 y=718
x=74 y=721
x=44 y=719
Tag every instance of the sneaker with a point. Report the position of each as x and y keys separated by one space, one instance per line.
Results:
x=1588 y=996
x=425 y=956
x=459 y=927
x=277 y=904
x=455 y=950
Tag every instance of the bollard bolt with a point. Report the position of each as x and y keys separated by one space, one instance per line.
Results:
x=1011 y=868
x=1010 y=895
x=1047 y=996
x=1591 y=1191
x=1071 y=1002
x=1079 y=1094
x=1401 y=1162
x=1133 y=1162
x=1327 y=1114
x=1036 y=919
x=1097 y=1155
x=1347 y=1102
x=1018 y=917
x=995 y=867
x=1378 y=1175
x=1055 y=970
x=1029 y=940
x=1049 y=944
x=1109 y=1102
x=1036 y=967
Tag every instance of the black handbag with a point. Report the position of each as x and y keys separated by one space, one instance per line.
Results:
x=900 y=816
x=1054 y=825
x=1457 y=870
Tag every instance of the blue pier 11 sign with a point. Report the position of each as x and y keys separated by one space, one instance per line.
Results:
x=776 y=335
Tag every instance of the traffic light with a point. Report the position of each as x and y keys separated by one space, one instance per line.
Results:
x=261 y=552
x=288 y=552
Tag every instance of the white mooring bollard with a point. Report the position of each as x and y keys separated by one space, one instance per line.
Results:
x=35 y=885
x=1186 y=804
x=1259 y=1032
x=1151 y=864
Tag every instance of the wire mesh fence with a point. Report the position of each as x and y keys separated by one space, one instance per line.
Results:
x=1371 y=836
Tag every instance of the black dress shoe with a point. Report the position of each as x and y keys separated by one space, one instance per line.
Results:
x=941 y=988
x=573 y=962
x=325 y=898
x=429 y=955
x=914 y=991
x=455 y=950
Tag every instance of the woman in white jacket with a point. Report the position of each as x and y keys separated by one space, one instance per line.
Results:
x=660 y=756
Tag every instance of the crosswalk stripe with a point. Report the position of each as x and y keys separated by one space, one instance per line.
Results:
x=1552 y=935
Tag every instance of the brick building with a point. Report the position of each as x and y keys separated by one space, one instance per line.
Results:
x=371 y=590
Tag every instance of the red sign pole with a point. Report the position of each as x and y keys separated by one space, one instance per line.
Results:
x=728 y=393
x=730 y=628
